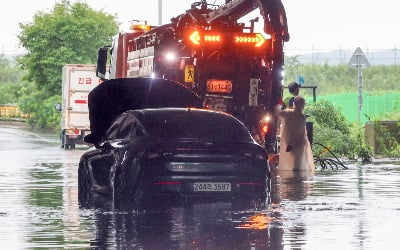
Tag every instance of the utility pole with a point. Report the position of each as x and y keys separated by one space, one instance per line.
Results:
x=360 y=86
x=159 y=12
x=358 y=60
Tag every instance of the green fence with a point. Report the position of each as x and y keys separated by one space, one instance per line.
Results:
x=374 y=106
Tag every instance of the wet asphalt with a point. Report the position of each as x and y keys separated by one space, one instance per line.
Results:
x=357 y=208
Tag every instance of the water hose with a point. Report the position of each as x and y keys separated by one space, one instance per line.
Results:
x=325 y=163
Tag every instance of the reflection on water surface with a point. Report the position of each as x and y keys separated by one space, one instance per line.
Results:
x=356 y=208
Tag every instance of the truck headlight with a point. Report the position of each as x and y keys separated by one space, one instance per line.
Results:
x=170 y=56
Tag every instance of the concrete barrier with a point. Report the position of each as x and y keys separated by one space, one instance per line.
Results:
x=371 y=133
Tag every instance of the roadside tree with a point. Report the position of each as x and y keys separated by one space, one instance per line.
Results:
x=68 y=34
x=332 y=130
x=10 y=71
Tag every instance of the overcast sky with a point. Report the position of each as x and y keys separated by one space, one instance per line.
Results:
x=313 y=24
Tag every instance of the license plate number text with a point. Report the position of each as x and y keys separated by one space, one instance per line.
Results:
x=219 y=86
x=212 y=187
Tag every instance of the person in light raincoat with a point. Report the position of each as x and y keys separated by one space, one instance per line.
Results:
x=295 y=149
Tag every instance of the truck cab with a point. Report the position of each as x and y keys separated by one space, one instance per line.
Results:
x=230 y=65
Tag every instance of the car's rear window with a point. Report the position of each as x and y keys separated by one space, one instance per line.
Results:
x=196 y=125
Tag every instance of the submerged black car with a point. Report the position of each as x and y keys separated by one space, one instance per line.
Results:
x=174 y=152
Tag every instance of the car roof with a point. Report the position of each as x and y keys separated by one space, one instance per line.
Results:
x=156 y=111
x=191 y=122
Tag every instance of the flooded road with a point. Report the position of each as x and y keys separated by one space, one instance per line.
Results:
x=358 y=208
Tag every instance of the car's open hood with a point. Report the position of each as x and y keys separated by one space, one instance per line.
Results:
x=116 y=96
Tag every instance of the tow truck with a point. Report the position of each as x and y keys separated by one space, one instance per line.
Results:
x=213 y=52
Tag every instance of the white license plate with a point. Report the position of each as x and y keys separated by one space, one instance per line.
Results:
x=219 y=86
x=211 y=187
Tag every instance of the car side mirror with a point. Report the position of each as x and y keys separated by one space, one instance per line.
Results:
x=58 y=107
x=101 y=67
x=114 y=144
x=105 y=145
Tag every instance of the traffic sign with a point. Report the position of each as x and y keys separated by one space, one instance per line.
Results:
x=358 y=59
x=300 y=79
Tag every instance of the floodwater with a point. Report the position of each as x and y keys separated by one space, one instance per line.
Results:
x=357 y=208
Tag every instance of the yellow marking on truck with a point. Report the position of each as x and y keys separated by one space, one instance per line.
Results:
x=189 y=73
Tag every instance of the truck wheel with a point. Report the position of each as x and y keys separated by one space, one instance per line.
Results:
x=62 y=139
x=67 y=142
x=69 y=146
